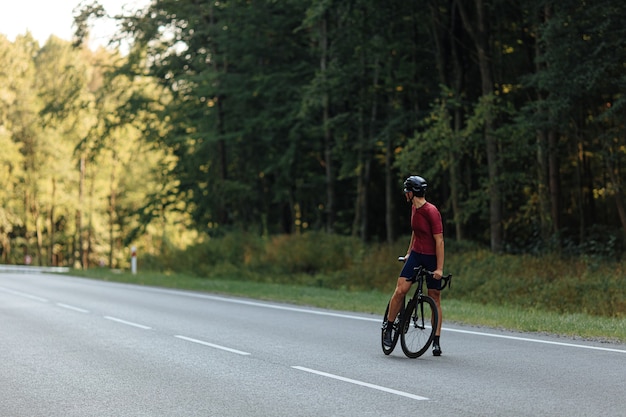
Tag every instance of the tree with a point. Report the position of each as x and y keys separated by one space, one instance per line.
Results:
x=479 y=31
x=62 y=83
x=580 y=50
x=11 y=160
x=224 y=91
x=266 y=112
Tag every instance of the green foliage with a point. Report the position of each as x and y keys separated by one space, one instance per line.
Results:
x=547 y=283
x=73 y=170
x=286 y=117
x=542 y=283
x=311 y=253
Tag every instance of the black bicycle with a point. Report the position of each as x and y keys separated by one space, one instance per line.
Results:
x=418 y=318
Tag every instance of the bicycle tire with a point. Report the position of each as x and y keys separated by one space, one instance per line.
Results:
x=420 y=323
x=395 y=334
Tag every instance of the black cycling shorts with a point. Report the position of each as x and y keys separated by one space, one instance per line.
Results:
x=427 y=261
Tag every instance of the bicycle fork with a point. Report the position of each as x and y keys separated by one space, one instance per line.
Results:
x=417 y=318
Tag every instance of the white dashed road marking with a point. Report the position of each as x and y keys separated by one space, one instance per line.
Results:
x=363 y=384
x=129 y=323
x=200 y=342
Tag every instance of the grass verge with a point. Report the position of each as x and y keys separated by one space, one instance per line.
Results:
x=581 y=326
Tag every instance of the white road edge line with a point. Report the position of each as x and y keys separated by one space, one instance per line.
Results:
x=264 y=305
x=23 y=294
x=527 y=339
x=363 y=384
x=373 y=319
x=129 y=323
x=200 y=342
x=69 y=307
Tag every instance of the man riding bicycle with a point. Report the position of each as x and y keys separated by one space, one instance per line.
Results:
x=426 y=248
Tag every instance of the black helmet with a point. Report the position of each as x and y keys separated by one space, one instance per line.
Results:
x=416 y=184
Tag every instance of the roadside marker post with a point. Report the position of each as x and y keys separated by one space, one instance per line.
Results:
x=133 y=260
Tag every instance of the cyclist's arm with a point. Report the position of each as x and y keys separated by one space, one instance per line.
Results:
x=440 y=253
x=408 y=251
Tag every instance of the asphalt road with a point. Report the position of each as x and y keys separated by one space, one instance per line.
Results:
x=78 y=347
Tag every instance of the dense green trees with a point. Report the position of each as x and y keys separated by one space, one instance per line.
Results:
x=285 y=116
x=72 y=172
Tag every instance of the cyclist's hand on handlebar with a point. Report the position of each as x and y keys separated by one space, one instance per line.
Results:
x=437 y=274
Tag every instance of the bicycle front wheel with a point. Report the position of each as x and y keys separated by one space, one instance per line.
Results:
x=419 y=324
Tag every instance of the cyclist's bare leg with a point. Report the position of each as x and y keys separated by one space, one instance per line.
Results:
x=402 y=287
x=436 y=295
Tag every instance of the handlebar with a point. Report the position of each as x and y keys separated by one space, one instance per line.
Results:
x=447 y=279
x=447 y=282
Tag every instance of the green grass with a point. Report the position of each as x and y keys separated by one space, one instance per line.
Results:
x=516 y=318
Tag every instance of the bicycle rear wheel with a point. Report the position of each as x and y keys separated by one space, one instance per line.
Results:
x=394 y=334
x=419 y=324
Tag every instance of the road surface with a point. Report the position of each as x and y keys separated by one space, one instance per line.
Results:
x=79 y=347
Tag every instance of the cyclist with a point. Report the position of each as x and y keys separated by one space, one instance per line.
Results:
x=426 y=248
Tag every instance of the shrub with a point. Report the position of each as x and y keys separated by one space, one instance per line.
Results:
x=315 y=259
x=312 y=253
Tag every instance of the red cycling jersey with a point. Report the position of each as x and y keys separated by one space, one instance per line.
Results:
x=425 y=222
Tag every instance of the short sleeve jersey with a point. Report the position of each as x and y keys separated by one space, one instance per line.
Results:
x=425 y=222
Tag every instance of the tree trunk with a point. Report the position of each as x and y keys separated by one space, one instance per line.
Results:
x=90 y=227
x=615 y=177
x=580 y=192
x=612 y=164
x=357 y=225
x=51 y=259
x=389 y=189
x=619 y=195
x=555 y=182
x=366 y=159
x=480 y=35
x=112 y=210
x=454 y=180
x=455 y=187
x=328 y=145
x=81 y=202
x=548 y=169
x=445 y=35
x=543 y=185
x=39 y=236
x=543 y=150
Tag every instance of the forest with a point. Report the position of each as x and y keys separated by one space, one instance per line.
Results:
x=285 y=117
